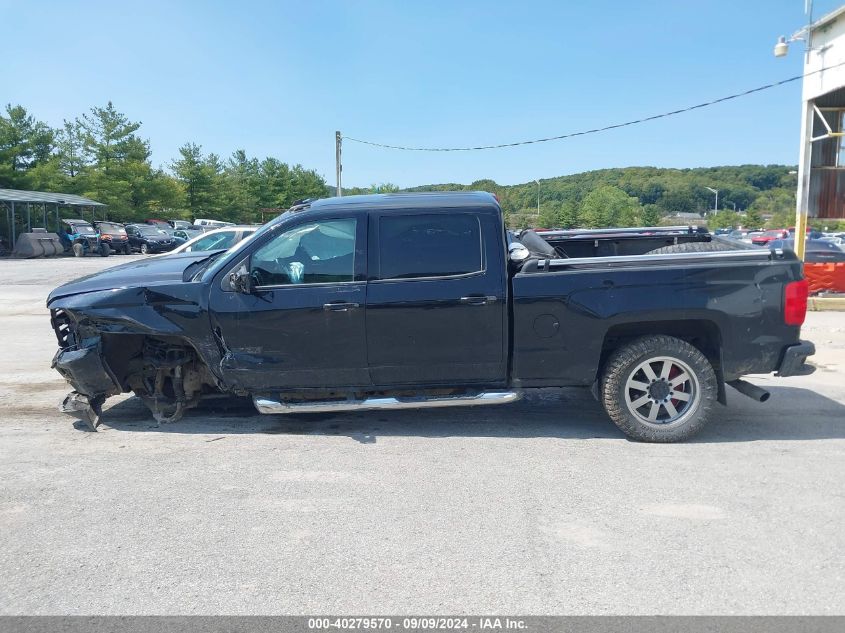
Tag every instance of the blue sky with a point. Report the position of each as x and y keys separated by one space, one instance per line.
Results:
x=278 y=78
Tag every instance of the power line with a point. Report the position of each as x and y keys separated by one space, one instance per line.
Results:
x=598 y=129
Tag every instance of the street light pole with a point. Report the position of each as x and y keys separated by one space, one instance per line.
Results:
x=538 y=197
x=716 y=191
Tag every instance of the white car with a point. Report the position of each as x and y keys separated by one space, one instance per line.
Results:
x=218 y=239
x=204 y=222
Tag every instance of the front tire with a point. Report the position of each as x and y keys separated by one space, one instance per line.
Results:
x=105 y=250
x=659 y=389
x=78 y=250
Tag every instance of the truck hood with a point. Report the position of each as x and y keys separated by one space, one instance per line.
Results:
x=145 y=273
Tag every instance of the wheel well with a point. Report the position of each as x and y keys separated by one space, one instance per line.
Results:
x=703 y=334
x=128 y=354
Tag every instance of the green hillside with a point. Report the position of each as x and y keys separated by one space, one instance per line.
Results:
x=641 y=196
x=646 y=196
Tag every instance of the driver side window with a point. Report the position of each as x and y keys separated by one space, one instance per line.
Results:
x=312 y=253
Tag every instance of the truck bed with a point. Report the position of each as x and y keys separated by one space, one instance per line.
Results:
x=568 y=312
x=616 y=242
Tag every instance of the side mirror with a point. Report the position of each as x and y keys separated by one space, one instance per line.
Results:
x=240 y=280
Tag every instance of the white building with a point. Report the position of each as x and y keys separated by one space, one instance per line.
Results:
x=821 y=167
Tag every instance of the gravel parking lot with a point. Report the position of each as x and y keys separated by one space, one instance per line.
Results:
x=540 y=507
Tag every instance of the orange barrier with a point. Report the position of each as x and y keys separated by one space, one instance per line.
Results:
x=825 y=276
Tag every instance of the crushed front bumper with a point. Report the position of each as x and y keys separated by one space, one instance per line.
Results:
x=92 y=380
x=83 y=367
x=794 y=361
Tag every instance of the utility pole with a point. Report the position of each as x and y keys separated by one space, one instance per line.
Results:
x=338 y=140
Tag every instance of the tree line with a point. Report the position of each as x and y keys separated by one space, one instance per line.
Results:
x=102 y=156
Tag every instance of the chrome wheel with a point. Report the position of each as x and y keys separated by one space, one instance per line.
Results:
x=662 y=391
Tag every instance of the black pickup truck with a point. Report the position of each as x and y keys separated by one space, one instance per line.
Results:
x=426 y=300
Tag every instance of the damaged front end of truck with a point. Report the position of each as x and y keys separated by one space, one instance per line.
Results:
x=80 y=361
x=136 y=339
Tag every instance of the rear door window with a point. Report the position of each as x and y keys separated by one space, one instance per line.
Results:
x=417 y=246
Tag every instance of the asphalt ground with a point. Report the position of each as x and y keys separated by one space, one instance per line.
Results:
x=539 y=507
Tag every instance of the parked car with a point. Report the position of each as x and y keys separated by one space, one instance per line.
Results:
x=81 y=238
x=211 y=223
x=114 y=235
x=217 y=239
x=177 y=237
x=424 y=300
x=833 y=239
x=768 y=236
x=824 y=264
x=157 y=222
x=815 y=251
x=179 y=224
x=146 y=238
x=188 y=233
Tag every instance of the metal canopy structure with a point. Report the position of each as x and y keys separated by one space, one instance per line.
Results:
x=14 y=200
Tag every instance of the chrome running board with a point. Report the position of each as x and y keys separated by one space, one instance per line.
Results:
x=267 y=405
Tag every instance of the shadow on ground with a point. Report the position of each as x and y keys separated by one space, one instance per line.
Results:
x=791 y=414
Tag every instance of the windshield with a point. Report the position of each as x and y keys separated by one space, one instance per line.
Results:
x=106 y=227
x=83 y=229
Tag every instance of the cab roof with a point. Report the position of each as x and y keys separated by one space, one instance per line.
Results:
x=415 y=200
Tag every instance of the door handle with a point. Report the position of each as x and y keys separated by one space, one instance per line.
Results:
x=340 y=306
x=478 y=300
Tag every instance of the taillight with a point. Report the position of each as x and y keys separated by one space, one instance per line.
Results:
x=795 y=302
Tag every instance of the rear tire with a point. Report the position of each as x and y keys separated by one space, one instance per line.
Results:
x=640 y=380
x=144 y=249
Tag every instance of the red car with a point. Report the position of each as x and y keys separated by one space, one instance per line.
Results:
x=769 y=236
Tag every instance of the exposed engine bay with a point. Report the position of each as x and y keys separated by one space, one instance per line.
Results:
x=166 y=373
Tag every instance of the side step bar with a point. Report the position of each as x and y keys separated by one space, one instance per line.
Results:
x=268 y=405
